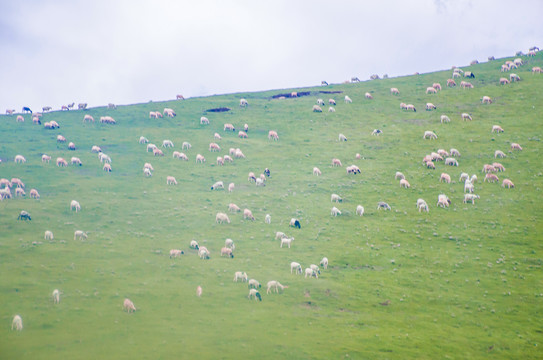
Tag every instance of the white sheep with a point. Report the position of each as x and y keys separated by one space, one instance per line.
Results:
x=309 y=272
x=334 y=212
x=240 y=275
x=455 y=152
x=336 y=198
x=253 y=284
x=323 y=263
x=286 y=241
x=128 y=305
x=229 y=243
x=243 y=103
x=296 y=267
x=316 y=171
x=342 y=137
x=176 y=253
x=170 y=180
x=200 y=159
x=194 y=244
x=360 y=210
x=348 y=100
x=430 y=106
x=167 y=143
x=248 y=214
x=451 y=161
x=231 y=187
x=186 y=145
x=217 y=185
x=74 y=205
x=275 y=285
x=443 y=201
x=466 y=116
x=48 y=235
x=445 y=119
x=267 y=219
x=79 y=234
x=233 y=208
x=429 y=135
x=470 y=198
x=56 y=296
x=19 y=159
x=253 y=293
x=203 y=253
x=499 y=154
x=445 y=178
x=17 y=323
x=405 y=184
x=204 y=121
x=221 y=218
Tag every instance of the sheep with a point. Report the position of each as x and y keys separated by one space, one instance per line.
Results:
x=240 y=275
x=17 y=323
x=204 y=121
x=443 y=152
x=267 y=219
x=383 y=205
x=200 y=159
x=220 y=218
x=342 y=137
x=316 y=171
x=186 y=145
x=56 y=296
x=19 y=159
x=376 y=132
x=360 y=210
x=198 y=288
x=259 y=182
x=170 y=180
x=61 y=162
x=180 y=156
x=229 y=243
x=76 y=161
x=451 y=161
x=508 y=184
x=451 y=83
x=167 y=143
x=23 y=215
x=331 y=109
x=473 y=179
x=81 y=106
x=217 y=185
x=394 y=91
x=505 y=68
x=5 y=194
x=491 y=178
x=466 y=85
x=128 y=305
x=148 y=166
x=443 y=201
x=470 y=198
x=320 y=102
x=431 y=90
x=169 y=112
x=469 y=74
x=499 y=154
x=45 y=158
x=253 y=293
x=79 y=234
x=445 y=178
x=194 y=245
x=20 y=118
x=404 y=183
x=335 y=211
x=74 y=205
x=242 y=135
x=295 y=223
x=497 y=129
x=515 y=146
x=176 y=253
x=239 y=154
x=466 y=116
x=536 y=70
x=279 y=235
x=486 y=100
x=403 y=106
x=348 y=100
x=411 y=107
x=436 y=157
x=429 y=135
x=357 y=156
x=151 y=147
x=233 y=208
x=368 y=96
x=455 y=152
x=504 y=81
x=445 y=119
x=253 y=284
x=430 y=106
x=20 y=192
x=487 y=168
x=317 y=108
x=422 y=205
x=311 y=273
x=436 y=86
x=247 y=214
x=48 y=235
x=336 y=162
x=34 y=194
x=353 y=169
x=498 y=167
x=227 y=252
x=158 y=152
x=10 y=111
x=296 y=267
x=336 y=198
x=272 y=284
x=143 y=140
x=203 y=253
x=231 y=187
x=430 y=165
x=243 y=103
x=286 y=241
x=214 y=147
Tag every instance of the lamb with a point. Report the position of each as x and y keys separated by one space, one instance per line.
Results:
x=486 y=100
x=431 y=90
x=240 y=275
x=167 y=143
x=360 y=210
x=17 y=323
x=45 y=158
x=128 y=305
x=310 y=272
x=445 y=119
x=275 y=285
x=180 y=156
x=143 y=140
x=79 y=234
x=170 y=180
x=229 y=127
x=451 y=161
x=227 y=252
x=422 y=205
x=515 y=146
x=498 y=167
x=411 y=107
x=286 y=241
x=186 y=145
x=253 y=293
x=491 y=178
x=74 y=205
x=466 y=117
x=242 y=135
x=508 y=184
x=239 y=154
x=455 y=152
x=342 y=137
x=335 y=212
x=368 y=96
x=383 y=205
x=336 y=198
x=443 y=201
x=200 y=159
x=430 y=106
x=487 y=168
x=295 y=223
x=231 y=187
x=470 y=198
x=336 y=162
x=394 y=91
x=348 y=100
x=151 y=147
x=176 y=253
x=204 y=121
x=331 y=109
x=158 y=152
x=253 y=284
x=451 y=83
x=445 y=178
x=296 y=267
x=48 y=235
x=203 y=253
x=499 y=154
x=429 y=135
x=332 y=102
x=19 y=159
x=247 y=214
x=233 y=208
x=320 y=102
x=317 y=108
x=504 y=81
x=221 y=218
x=76 y=161
x=217 y=185
x=404 y=183
x=316 y=171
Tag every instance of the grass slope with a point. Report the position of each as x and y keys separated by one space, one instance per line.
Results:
x=463 y=282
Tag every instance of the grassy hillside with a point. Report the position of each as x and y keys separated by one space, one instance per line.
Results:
x=462 y=282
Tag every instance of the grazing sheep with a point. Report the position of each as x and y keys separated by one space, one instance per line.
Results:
x=486 y=100
x=74 y=205
x=508 y=184
x=348 y=100
x=239 y=154
x=243 y=103
x=504 y=81
x=56 y=296
x=323 y=263
x=411 y=107
x=317 y=108
x=24 y=215
x=82 y=106
x=320 y=102
x=430 y=106
x=368 y=96
x=383 y=205
x=468 y=187
x=45 y=158
x=336 y=198
x=233 y=208
x=158 y=152
x=20 y=192
x=445 y=119
x=497 y=129
x=311 y=273
x=242 y=135
x=167 y=143
x=34 y=194
x=536 y=70
x=451 y=83
x=229 y=127
x=431 y=90
x=316 y=171
x=176 y=253
x=360 y=210
x=331 y=109
x=19 y=159
x=487 y=168
x=20 y=118
x=186 y=146
x=170 y=180
x=336 y=162
x=422 y=205
x=455 y=152
x=48 y=235
x=169 y=113
x=515 y=146
x=394 y=91
x=404 y=183
x=221 y=218
x=357 y=156
x=151 y=147
x=498 y=167
x=335 y=212
x=436 y=86
x=332 y=102
x=451 y=161
x=470 y=198
x=473 y=179
x=231 y=187
x=61 y=162
x=200 y=159
x=254 y=294
x=296 y=267
x=229 y=243
x=469 y=74
x=295 y=223
x=76 y=161
x=199 y=288
x=214 y=147
x=443 y=201
x=429 y=135
x=17 y=323
x=240 y=275
x=376 y=132
x=353 y=169
x=259 y=182
x=148 y=166
x=203 y=253
x=445 y=178
x=128 y=305
x=436 y=157
x=403 y=106
x=247 y=214
x=180 y=156
x=143 y=140
x=342 y=137
x=227 y=252
x=443 y=152
x=466 y=117
x=491 y=178
x=253 y=284
x=79 y=234
x=217 y=185
x=204 y=121
x=499 y=154
x=275 y=285
x=194 y=244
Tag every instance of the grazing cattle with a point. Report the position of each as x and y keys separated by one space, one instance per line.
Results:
x=243 y=103
x=316 y=171
x=445 y=178
x=470 y=198
x=272 y=135
x=128 y=306
x=486 y=100
x=336 y=198
x=348 y=100
x=429 y=135
x=466 y=116
x=508 y=184
x=275 y=285
x=404 y=183
x=200 y=159
x=247 y=214
x=204 y=121
x=17 y=323
x=24 y=215
x=515 y=146
x=394 y=91
x=170 y=180
x=233 y=208
x=335 y=211
x=451 y=161
x=491 y=178
x=74 y=205
x=76 y=161
x=430 y=106
x=61 y=162
x=221 y=218
x=79 y=234
x=295 y=223
x=19 y=159
x=451 y=83
x=431 y=90
x=383 y=205
x=176 y=253
x=286 y=241
x=253 y=293
x=336 y=162
x=240 y=275
x=317 y=108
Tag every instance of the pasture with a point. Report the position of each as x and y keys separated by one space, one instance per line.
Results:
x=458 y=282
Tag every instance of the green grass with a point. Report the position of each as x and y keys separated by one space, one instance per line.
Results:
x=463 y=282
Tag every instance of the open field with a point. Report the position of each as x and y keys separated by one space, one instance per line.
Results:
x=460 y=282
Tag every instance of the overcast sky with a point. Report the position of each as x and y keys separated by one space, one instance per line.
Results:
x=54 y=52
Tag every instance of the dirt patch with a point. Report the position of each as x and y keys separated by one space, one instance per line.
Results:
x=221 y=109
x=331 y=92
x=289 y=95
x=309 y=305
